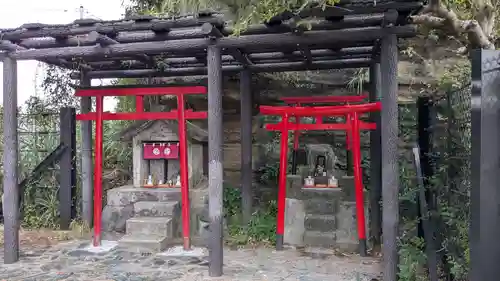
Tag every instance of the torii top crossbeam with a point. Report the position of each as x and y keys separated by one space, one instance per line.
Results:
x=344 y=36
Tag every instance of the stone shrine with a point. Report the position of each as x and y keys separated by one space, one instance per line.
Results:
x=321 y=216
x=160 y=136
x=148 y=212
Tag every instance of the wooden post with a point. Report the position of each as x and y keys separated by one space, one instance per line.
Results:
x=215 y=172
x=390 y=156
x=86 y=161
x=375 y=162
x=67 y=210
x=246 y=144
x=11 y=194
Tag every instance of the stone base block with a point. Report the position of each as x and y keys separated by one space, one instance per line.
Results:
x=114 y=218
x=294 y=222
x=144 y=243
x=155 y=208
x=126 y=195
x=160 y=226
x=320 y=239
x=321 y=206
x=326 y=223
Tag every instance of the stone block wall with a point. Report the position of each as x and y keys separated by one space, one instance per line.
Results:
x=232 y=149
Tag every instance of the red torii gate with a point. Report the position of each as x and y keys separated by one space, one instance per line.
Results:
x=353 y=126
x=181 y=114
x=300 y=101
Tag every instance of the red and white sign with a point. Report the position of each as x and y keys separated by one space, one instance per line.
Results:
x=161 y=150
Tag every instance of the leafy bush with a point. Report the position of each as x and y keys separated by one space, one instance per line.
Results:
x=262 y=226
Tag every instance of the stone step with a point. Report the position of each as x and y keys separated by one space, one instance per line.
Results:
x=326 y=223
x=321 y=206
x=322 y=193
x=156 y=208
x=319 y=239
x=125 y=195
x=160 y=226
x=144 y=243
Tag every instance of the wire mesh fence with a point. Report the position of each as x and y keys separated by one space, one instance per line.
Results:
x=452 y=179
x=448 y=182
x=38 y=136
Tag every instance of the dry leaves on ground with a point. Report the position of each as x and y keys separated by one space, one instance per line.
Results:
x=47 y=237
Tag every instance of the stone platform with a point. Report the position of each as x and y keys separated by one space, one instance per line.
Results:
x=322 y=217
x=150 y=218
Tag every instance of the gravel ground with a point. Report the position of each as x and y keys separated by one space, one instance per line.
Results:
x=69 y=261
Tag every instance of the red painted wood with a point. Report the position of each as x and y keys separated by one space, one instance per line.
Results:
x=323 y=99
x=146 y=91
x=98 y=173
x=319 y=127
x=332 y=110
x=172 y=115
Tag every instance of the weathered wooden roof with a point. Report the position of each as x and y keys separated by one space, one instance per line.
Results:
x=343 y=36
x=196 y=131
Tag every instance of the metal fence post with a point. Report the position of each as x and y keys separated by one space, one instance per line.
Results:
x=67 y=208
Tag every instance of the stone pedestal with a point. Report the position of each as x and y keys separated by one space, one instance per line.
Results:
x=324 y=217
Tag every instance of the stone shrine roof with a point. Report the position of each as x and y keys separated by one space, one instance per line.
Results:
x=195 y=130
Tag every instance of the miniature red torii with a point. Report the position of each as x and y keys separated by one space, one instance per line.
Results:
x=181 y=114
x=299 y=101
x=353 y=126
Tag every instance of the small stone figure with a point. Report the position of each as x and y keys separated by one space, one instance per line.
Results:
x=309 y=181
x=333 y=182
x=320 y=166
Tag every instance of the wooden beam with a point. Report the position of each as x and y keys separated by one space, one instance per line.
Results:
x=133 y=32
x=192 y=71
x=109 y=27
x=241 y=57
x=262 y=41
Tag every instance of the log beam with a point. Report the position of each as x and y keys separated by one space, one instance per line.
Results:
x=193 y=71
x=255 y=41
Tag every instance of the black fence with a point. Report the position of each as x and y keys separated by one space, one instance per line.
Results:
x=439 y=126
x=47 y=146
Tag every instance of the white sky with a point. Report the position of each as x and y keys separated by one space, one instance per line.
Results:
x=15 y=13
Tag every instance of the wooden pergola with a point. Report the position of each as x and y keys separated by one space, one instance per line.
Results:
x=353 y=34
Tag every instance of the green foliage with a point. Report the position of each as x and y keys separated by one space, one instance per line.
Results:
x=450 y=183
x=38 y=136
x=412 y=260
x=261 y=228
x=269 y=173
x=242 y=12
x=453 y=78
x=232 y=202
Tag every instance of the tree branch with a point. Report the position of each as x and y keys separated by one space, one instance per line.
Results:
x=435 y=15
x=429 y=21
